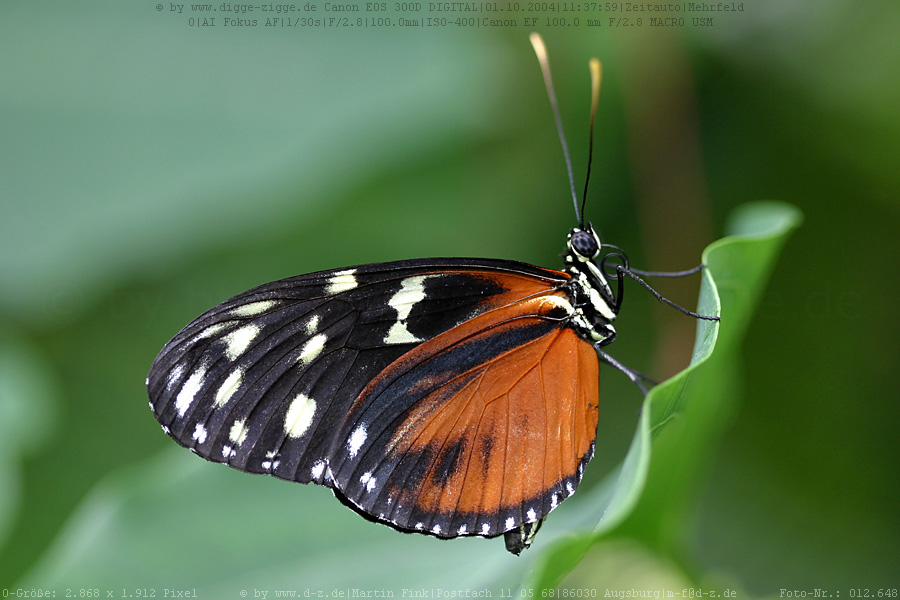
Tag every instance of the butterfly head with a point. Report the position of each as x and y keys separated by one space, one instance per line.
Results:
x=595 y=304
x=584 y=244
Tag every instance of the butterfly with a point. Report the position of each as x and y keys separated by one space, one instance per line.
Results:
x=448 y=396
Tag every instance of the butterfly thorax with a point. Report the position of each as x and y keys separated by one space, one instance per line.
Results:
x=593 y=300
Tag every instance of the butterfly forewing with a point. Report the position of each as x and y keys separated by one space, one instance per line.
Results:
x=264 y=381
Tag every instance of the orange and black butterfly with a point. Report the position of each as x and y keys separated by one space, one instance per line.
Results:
x=448 y=396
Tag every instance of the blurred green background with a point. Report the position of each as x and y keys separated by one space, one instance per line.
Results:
x=150 y=169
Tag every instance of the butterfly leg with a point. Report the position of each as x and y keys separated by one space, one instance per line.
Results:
x=636 y=377
x=622 y=270
x=684 y=273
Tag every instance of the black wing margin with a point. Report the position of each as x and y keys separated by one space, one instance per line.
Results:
x=263 y=381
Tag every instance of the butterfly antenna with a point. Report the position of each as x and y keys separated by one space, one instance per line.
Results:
x=541 y=51
x=596 y=76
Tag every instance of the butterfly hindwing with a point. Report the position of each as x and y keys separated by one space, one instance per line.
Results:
x=480 y=430
x=264 y=380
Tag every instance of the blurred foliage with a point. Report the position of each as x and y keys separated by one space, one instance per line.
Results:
x=150 y=170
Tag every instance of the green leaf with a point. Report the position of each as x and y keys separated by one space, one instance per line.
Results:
x=219 y=531
x=685 y=414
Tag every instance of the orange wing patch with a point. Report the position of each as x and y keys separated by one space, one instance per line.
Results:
x=506 y=411
x=445 y=463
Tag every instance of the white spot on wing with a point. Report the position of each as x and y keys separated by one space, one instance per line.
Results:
x=312 y=325
x=420 y=526
x=212 y=330
x=569 y=488
x=238 y=433
x=485 y=528
x=341 y=282
x=399 y=334
x=199 y=433
x=411 y=291
x=436 y=529
x=532 y=516
x=268 y=464
x=510 y=523
x=317 y=469
x=174 y=376
x=328 y=474
x=357 y=439
x=368 y=481
x=299 y=416
x=227 y=452
x=189 y=390
x=229 y=387
x=554 y=501
x=311 y=349
x=253 y=309
x=462 y=529
x=237 y=341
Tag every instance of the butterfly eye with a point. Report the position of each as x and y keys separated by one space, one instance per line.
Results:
x=583 y=244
